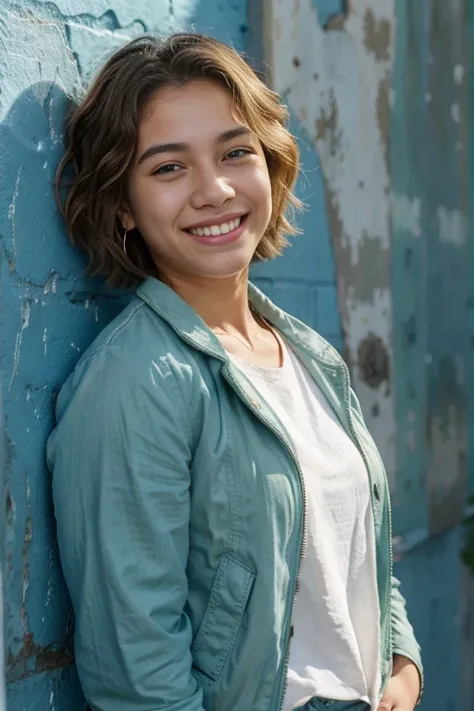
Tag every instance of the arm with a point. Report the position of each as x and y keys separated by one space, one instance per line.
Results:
x=403 y=637
x=407 y=664
x=120 y=459
x=407 y=677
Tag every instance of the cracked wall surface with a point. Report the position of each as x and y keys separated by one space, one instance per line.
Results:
x=430 y=274
x=335 y=72
x=342 y=68
x=49 y=311
x=379 y=91
x=366 y=118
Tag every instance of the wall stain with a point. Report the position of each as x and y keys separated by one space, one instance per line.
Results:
x=446 y=437
x=377 y=36
x=327 y=126
x=382 y=110
x=346 y=115
x=373 y=361
x=9 y=450
x=410 y=332
x=33 y=659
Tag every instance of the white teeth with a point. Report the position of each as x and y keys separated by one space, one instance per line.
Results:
x=216 y=230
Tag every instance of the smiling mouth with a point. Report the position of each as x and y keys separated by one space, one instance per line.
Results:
x=218 y=229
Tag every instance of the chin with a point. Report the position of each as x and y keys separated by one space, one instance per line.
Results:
x=227 y=271
x=227 y=266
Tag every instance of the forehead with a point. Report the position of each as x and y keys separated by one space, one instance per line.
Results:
x=188 y=112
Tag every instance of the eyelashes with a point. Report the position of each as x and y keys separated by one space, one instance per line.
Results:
x=170 y=168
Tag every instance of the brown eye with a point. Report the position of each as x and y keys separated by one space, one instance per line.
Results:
x=166 y=169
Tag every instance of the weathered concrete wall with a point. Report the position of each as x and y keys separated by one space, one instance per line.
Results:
x=433 y=336
x=366 y=81
x=379 y=89
x=50 y=312
x=430 y=269
x=337 y=79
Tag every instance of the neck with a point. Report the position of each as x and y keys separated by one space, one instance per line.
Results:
x=221 y=303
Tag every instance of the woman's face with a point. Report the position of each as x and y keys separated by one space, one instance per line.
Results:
x=199 y=190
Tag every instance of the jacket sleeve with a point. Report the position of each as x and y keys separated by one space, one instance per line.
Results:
x=403 y=637
x=120 y=457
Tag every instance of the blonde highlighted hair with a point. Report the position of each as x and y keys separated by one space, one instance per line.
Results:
x=101 y=142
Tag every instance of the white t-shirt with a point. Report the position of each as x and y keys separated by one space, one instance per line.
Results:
x=334 y=650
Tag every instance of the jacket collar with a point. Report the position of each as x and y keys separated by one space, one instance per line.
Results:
x=191 y=327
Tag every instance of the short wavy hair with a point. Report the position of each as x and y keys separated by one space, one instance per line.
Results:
x=101 y=142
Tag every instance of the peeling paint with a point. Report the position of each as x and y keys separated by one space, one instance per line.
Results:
x=345 y=113
x=377 y=34
x=50 y=310
x=447 y=483
x=47 y=61
x=456 y=112
x=25 y=322
x=33 y=659
x=452 y=228
x=52 y=284
x=406 y=212
x=12 y=212
x=458 y=73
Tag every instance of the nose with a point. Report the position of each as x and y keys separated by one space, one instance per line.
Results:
x=212 y=189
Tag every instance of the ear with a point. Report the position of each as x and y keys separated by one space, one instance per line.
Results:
x=126 y=218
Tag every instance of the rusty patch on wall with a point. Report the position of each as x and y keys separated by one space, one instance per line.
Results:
x=377 y=36
x=32 y=658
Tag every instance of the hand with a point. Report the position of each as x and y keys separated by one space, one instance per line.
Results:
x=403 y=688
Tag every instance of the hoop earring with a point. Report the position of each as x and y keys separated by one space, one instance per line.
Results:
x=124 y=244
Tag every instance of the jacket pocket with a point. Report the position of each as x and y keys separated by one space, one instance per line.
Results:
x=223 y=616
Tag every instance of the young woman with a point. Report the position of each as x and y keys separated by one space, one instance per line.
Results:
x=223 y=513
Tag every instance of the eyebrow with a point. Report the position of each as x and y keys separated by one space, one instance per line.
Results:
x=179 y=147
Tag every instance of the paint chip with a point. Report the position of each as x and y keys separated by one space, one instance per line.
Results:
x=406 y=213
x=451 y=226
x=458 y=73
x=456 y=112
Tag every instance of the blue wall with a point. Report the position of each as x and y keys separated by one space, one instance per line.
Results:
x=49 y=311
x=303 y=280
x=433 y=337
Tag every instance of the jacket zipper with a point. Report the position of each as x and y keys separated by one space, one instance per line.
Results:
x=303 y=536
x=365 y=458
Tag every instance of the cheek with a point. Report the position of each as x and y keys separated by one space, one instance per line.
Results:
x=155 y=206
x=262 y=188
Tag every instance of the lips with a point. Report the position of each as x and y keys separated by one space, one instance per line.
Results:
x=221 y=237
x=217 y=221
x=217 y=229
